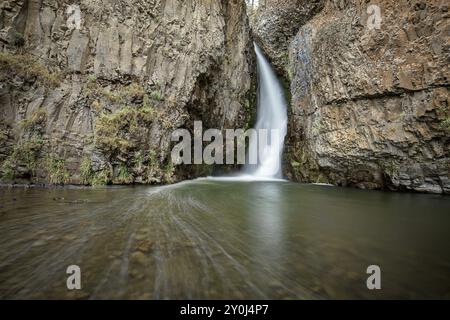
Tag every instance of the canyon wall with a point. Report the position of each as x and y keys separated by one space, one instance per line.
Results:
x=369 y=103
x=91 y=90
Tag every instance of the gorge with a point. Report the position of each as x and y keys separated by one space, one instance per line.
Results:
x=91 y=95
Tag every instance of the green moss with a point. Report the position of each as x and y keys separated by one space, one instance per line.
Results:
x=57 y=173
x=27 y=66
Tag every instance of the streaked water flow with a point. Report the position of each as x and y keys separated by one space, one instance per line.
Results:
x=223 y=239
x=272 y=116
x=251 y=237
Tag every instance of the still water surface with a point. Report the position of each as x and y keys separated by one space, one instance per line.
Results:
x=223 y=240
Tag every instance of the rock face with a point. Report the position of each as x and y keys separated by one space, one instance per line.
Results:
x=91 y=92
x=370 y=103
x=277 y=23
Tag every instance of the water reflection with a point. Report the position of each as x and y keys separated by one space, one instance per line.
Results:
x=266 y=214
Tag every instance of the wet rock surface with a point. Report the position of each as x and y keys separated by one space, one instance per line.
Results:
x=369 y=106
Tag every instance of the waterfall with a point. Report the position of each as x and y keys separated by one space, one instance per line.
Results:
x=272 y=116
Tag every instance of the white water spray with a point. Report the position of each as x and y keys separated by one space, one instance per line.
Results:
x=272 y=116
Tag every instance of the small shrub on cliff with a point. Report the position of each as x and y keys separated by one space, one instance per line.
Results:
x=156 y=95
x=123 y=131
x=27 y=66
x=445 y=124
x=86 y=172
x=123 y=176
x=152 y=170
x=24 y=157
x=8 y=172
x=101 y=178
x=17 y=39
x=56 y=170
x=118 y=95
x=168 y=172
x=97 y=106
x=135 y=90
x=4 y=132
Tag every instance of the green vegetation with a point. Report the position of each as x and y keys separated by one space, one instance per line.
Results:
x=123 y=131
x=118 y=95
x=101 y=178
x=4 y=132
x=123 y=176
x=168 y=172
x=92 y=78
x=8 y=172
x=89 y=177
x=24 y=158
x=152 y=169
x=391 y=168
x=36 y=123
x=295 y=164
x=86 y=172
x=444 y=116
x=56 y=170
x=445 y=123
x=26 y=65
x=17 y=39
x=156 y=95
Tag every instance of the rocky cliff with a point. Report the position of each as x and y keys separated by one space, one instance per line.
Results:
x=90 y=91
x=369 y=103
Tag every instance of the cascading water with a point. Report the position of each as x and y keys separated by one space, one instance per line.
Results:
x=272 y=116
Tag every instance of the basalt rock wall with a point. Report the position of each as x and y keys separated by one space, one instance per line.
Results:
x=90 y=91
x=369 y=93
